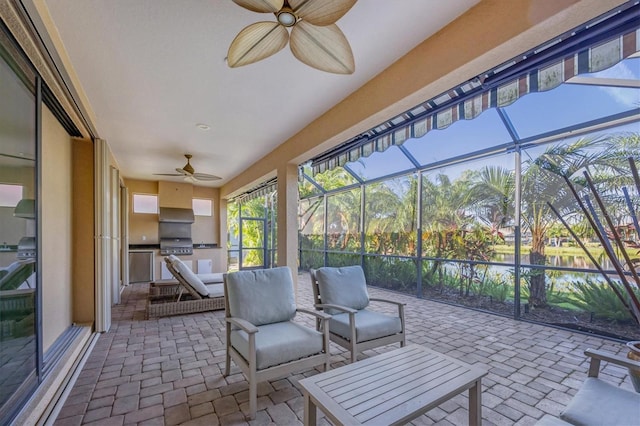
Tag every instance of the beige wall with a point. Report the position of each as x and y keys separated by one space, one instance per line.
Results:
x=172 y=194
x=207 y=229
x=56 y=229
x=204 y=230
x=143 y=228
x=83 y=232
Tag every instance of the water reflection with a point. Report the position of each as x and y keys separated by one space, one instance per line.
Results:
x=560 y=261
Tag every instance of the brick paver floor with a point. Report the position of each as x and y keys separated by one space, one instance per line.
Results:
x=168 y=371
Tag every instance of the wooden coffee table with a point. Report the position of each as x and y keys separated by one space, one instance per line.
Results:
x=391 y=388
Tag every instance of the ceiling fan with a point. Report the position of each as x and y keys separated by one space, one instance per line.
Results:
x=189 y=173
x=315 y=38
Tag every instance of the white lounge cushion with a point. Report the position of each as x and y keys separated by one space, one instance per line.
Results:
x=369 y=325
x=190 y=277
x=279 y=343
x=211 y=278
x=600 y=403
x=344 y=286
x=262 y=296
x=215 y=290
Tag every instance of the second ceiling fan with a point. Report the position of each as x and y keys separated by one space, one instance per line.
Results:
x=189 y=172
x=315 y=38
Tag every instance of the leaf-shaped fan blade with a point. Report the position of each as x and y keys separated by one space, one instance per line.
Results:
x=321 y=13
x=261 y=6
x=256 y=42
x=206 y=176
x=325 y=48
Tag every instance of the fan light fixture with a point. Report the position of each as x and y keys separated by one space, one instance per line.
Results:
x=286 y=17
x=315 y=39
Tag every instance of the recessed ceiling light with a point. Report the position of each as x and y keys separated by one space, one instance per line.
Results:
x=202 y=126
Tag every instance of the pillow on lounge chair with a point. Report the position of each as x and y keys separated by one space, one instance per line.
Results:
x=191 y=278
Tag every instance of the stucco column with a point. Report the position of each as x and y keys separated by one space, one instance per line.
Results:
x=288 y=218
x=222 y=226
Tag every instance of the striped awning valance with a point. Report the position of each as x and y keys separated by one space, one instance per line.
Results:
x=261 y=190
x=470 y=99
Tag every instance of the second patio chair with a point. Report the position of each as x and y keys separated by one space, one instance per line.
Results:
x=342 y=293
x=262 y=339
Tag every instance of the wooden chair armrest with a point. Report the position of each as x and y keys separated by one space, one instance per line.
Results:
x=317 y=314
x=242 y=324
x=597 y=356
x=399 y=305
x=336 y=307
x=393 y=302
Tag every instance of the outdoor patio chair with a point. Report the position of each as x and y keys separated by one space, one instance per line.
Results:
x=262 y=339
x=598 y=402
x=342 y=293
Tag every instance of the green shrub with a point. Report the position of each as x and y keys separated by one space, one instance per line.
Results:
x=496 y=288
x=599 y=298
x=390 y=272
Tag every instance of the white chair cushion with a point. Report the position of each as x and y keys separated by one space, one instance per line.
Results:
x=600 y=403
x=215 y=290
x=344 y=286
x=190 y=277
x=369 y=325
x=212 y=278
x=262 y=296
x=279 y=343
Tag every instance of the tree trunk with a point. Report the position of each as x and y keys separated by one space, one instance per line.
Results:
x=537 y=290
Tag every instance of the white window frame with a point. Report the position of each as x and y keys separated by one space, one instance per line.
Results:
x=201 y=209
x=134 y=206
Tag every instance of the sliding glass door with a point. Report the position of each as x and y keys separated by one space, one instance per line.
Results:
x=18 y=254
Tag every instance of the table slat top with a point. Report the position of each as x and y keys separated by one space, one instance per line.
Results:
x=389 y=387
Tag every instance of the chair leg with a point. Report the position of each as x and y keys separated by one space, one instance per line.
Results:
x=354 y=352
x=253 y=397
x=227 y=364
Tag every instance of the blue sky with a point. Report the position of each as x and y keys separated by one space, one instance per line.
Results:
x=533 y=114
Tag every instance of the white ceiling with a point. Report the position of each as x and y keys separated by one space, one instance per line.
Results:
x=153 y=69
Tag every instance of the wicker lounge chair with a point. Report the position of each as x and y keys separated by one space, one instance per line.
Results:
x=188 y=295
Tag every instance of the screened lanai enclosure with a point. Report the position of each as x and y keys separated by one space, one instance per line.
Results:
x=467 y=198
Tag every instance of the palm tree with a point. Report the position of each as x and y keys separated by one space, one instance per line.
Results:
x=391 y=216
x=444 y=214
x=493 y=193
x=543 y=181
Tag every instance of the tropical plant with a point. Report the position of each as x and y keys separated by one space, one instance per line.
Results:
x=391 y=272
x=543 y=181
x=625 y=258
x=343 y=221
x=601 y=299
x=391 y=217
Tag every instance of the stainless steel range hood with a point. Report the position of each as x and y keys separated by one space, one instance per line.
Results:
x=175 y=215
